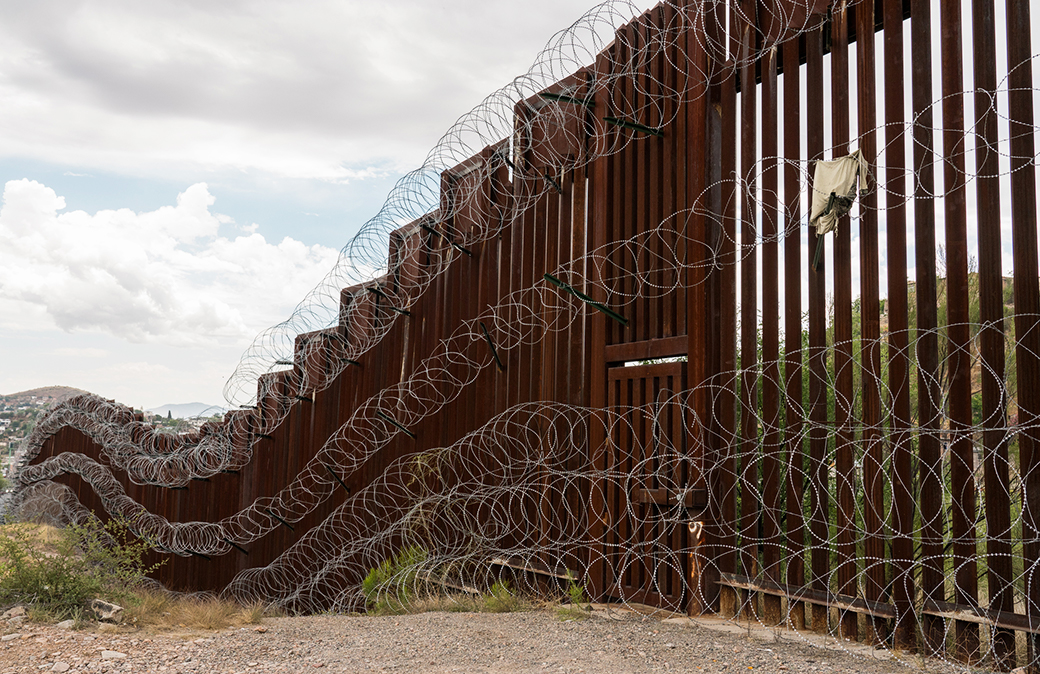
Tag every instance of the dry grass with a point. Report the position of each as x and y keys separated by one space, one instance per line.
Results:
x=255 y=613
x=209 y=613
x=45 y=556
x=43 y=537
x=162 y=611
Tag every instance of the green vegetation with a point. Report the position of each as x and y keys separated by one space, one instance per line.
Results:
x=577 y=607
x=57 y=572
x=398 y=586
x=390 y=587
x=500 y=599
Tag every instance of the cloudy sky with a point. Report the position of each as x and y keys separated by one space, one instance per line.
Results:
x=177 y=174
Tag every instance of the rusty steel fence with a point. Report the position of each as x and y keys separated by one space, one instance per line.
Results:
x=614 y=358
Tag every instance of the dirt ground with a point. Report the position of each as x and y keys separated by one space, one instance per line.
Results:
x=609 y=640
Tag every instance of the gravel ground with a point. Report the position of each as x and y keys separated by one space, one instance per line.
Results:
x=610 y=640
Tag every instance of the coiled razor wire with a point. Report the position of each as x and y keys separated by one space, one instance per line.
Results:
x=527 y=489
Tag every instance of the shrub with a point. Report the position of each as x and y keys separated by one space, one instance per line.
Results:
x=58 y=572
x=391 y=586
x=500 y=599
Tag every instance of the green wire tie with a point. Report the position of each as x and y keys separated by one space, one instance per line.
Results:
x=585 y=298
x=391 y=421
x=377 y=291
x=498 y=362
x=351 y=362
x=236 y=546
x=285 y=362
x=454 y=245
x=563 y=98
x=635 y=126
x=279 y=519
x=333 y=473
x=304 y=398
x=198 y=554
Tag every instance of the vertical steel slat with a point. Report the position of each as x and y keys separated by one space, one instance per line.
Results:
x=628 y=191
x=870 y=324
x=486 y=295
x=793 y=354
x=435 y=319
x=991 y=313
x=548 y=260
x=771 y=451
x=958 y=346
x=1026 y=290
x=748 y=445
x=819 y=468
x=648 y=579
x=569 y=352
x=705 y=469
x=638 y=256
x=655 y=154
x=516 y=242
x=698 y=311
x=620 y=175
x=898 y=364
x=725 y=559
x=533 y=257
x=476 y=206
x=843 y=360
x=670 y=178
x=929 y=488
x=600 y=214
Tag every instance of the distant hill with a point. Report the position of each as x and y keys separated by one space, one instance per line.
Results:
x=188 y=410
x=47 y=394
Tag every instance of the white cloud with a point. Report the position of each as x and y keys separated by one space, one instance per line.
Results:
x=84 y=352
x=165 y=276
x=330 y=89
x=288 y=99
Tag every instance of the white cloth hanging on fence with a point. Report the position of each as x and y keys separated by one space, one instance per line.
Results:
x=834 y=189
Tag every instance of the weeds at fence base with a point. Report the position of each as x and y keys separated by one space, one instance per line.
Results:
x=160 y=610
x=56 y=573
x=578 y=606
x=398 y=586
